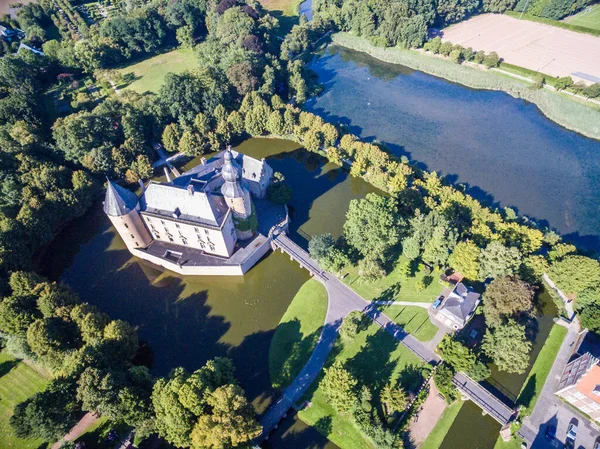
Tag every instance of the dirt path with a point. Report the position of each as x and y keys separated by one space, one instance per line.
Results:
x=421 y=426
x=80 y=428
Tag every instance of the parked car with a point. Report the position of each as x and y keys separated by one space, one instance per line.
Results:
x=571 y=434
x=436 y=303
x=597 y=443
x=550 y=432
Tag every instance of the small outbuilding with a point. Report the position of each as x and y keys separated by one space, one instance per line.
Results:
x=455 y=307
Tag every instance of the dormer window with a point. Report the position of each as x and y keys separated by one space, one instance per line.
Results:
x=176 y=213
x=596 y=390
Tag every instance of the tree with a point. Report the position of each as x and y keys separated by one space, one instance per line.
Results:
x=320 y=246
x=17 y=313
x=124 y=336
x=241 y=76
x=446 y=48
x=574 y=274
x=231 y=422
x=465 y=259
x=50 y=338
x=508 y=347
x=373 y=225
x=563 y=83
x=52 y=297
x=491 y=60
x=370 y=269
x=411 y=248
x=461 y=358
x=191 y=144
x=592 y=91
x=393 y=398
x=456 y=56
x=497 y=260
x=98 y=390
x=340 y=388
x=506 y=297
x=48 y=415
x=171 y=136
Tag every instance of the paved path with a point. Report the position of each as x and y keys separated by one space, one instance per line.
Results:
x=423 y=305
x=342 y=301
x=79 y=429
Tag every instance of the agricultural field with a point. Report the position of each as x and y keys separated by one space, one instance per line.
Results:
x=18 y=381
x=149 y=74
x=588 y=18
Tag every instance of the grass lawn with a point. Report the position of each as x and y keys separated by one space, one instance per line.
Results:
x=540 y=369
x=149 y=74
x=393 y=288
x=286 y=12
x=587 y=19
x=18 y=381
x=375 y=358
x=414 y=320
x=437 y=435
x=297 y=333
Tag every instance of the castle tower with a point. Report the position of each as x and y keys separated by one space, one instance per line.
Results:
x=235 y=193
x=122 y=208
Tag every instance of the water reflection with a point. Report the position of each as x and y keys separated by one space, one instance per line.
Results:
x=502 y=148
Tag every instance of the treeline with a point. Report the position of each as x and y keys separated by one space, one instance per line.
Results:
x=95 y=367
x=552 y=9
x=388 y=23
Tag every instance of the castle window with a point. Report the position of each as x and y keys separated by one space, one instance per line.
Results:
x=170 y=238
x=206 y=231
x=212 y=247
x=126 y=225
x=184 y=240
x=137 y=244
x=157 y=236
x=162 y=222
x=176 y=225
x=196 y=229
x=132 y=236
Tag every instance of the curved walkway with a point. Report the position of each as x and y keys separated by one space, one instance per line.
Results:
x=342 y=301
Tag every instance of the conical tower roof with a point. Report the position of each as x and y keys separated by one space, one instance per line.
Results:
x=231 y=173
x=118 y=200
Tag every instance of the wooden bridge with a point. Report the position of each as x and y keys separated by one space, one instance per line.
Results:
x=484 y=399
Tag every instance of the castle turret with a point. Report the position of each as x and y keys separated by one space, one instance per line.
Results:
x=122 y=209
x=236 y=195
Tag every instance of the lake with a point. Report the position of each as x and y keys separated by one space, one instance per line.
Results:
x=503 y=149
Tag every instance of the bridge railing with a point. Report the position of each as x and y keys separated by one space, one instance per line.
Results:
x=484 y=402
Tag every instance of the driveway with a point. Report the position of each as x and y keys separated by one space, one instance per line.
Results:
x=551 y=410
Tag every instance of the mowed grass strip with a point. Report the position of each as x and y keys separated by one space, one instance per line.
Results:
x=393 y=287
x=18 y=382
x=587 y=19
x=414 y=320
x=297 y=333
x=148 y=75
x=536 y=378
x=375 y=358
x=436 y=437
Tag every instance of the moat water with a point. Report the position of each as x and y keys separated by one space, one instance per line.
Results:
x=503 y=149
x=186 y=321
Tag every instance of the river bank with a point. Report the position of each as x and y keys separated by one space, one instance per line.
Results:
x=566 y=112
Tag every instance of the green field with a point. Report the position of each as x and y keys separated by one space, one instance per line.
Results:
x=414 y=320
x=149 y=74
x=587 y=19
x=393 y=288
x=375 y=358
x=436 y=437
x=297 y=333
x=18 y=381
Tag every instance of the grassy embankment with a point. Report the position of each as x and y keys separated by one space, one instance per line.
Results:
x=18 y=382
x=148 y=75
x=375 y=358
x=437 y=435
x=588 y=20
x=561 y=108
x=572 y=24
x=297 y=333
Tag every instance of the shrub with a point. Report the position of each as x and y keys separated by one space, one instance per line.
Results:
x=434 y=45
x=563 y=83
x=468 y=54
x=456 y=56
x=479 y=57
x=592 y=91
x=446 y=48
x=538 y=81
x=443 y=381
x=491 y=60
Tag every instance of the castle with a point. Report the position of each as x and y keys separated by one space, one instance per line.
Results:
x=203 y=222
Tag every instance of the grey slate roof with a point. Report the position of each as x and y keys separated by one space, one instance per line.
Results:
x=461 y=302
x=576 y=370
x=118 y=200
x=186 y=204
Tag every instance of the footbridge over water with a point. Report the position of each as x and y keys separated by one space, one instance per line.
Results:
x=286 y=245
x=484 y=399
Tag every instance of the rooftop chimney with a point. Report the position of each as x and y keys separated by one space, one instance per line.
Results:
x=190 y=189
x=203 y=160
